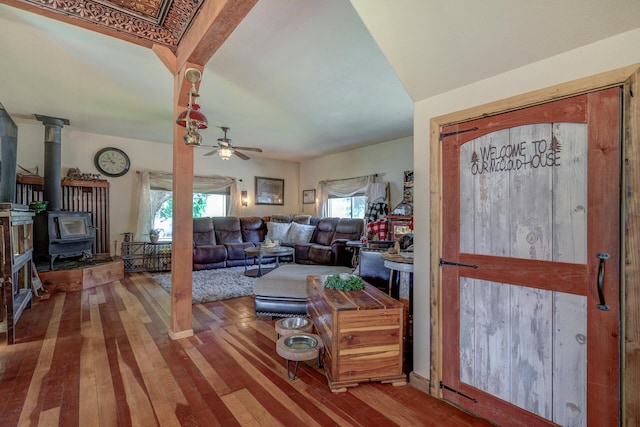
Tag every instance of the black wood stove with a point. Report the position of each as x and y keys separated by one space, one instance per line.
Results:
x=62 y=235
x=58 y=233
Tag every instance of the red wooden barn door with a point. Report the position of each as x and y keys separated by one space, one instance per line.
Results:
x=531 y=211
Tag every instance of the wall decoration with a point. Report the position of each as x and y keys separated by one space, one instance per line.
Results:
x=407 y=194
x=112 y=162
x=308 y=196
x=269 y=191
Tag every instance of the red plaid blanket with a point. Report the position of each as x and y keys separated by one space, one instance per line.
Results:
x=378 y=228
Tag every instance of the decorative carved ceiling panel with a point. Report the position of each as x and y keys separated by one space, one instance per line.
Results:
x=148 y=22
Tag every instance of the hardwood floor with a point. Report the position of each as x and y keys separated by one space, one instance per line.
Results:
x=102 y=357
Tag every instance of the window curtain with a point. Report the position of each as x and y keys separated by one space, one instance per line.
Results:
x=164 y=181
x=340 y=188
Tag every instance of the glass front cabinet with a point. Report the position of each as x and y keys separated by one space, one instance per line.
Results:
x=16 y=229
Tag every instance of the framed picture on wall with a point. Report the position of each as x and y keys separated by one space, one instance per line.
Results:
x=308 y=196
x=269 y=191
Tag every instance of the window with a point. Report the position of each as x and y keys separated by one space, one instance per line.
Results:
x=347 y=207
x=203 y=205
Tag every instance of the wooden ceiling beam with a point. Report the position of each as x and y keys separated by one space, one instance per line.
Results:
x=211 y=27
x=167 y=57
x=59 y=15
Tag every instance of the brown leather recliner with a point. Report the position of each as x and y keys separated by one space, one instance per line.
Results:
x=328 y=242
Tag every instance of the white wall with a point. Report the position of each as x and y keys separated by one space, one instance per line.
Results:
x=78 y=150
x=388 y=159
x=605 y=55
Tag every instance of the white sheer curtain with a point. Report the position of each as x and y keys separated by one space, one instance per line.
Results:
x=340 y=188
x=164 y=181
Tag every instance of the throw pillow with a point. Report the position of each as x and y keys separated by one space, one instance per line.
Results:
x=299 y=233
x=277 y=230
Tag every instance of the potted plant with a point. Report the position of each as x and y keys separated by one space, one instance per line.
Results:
x=154 y=234
x=344 y=282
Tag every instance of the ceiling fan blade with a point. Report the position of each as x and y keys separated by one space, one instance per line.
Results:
x=241 y=155
x=259 y=150
x=211 y=152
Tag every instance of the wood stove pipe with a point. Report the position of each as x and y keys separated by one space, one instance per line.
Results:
x=52 y=190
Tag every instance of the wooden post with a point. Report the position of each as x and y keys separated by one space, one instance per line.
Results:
x=182 y=240
x=214 y=23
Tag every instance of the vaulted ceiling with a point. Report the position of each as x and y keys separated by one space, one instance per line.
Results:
x=298 y=78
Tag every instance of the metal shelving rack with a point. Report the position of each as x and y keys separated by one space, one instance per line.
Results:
x=16 y=230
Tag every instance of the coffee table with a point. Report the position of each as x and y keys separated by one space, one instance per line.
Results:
x=261 y=251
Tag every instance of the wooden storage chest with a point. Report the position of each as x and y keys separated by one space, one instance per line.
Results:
x=362 y=334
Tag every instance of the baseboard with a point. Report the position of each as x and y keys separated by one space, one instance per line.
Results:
x=421 y=383
x=181 y=334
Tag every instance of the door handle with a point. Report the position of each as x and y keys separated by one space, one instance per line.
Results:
x=603 y=256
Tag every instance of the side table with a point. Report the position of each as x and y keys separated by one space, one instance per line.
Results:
x=259 y=252
x=355 y=246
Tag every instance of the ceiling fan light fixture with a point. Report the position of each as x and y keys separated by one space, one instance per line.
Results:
x=225 y=153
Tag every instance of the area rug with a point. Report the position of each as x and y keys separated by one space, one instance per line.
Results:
x=214 y=285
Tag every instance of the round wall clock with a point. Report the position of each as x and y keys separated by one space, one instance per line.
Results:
x=112 y=161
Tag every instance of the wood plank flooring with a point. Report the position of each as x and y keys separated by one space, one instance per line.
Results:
x=102 y=357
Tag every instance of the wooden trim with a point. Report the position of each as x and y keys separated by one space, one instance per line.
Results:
x=38 y=180
x=435 y=225
x=80 y=183
x=564 y=90
x=603 y=327
x=26 y=179
x=626 y=76
x=630 y=252
x=180 y=334
x=419 y=382
x=551 y=276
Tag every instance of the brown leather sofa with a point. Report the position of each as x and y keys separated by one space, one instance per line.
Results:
x=220 y=241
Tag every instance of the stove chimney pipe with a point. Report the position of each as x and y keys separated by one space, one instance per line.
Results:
x=52 y=190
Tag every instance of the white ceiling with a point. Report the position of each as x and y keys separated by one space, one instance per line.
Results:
x=298 y=78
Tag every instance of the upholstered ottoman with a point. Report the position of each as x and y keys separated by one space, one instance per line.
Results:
x=283 y=291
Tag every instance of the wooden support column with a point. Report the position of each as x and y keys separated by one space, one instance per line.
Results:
x=182 y=240
x=208 y=31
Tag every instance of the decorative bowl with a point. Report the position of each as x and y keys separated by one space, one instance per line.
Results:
x=38 y=205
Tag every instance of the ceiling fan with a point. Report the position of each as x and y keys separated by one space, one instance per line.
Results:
x=226 y=149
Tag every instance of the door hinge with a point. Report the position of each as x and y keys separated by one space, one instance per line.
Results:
x=457 y=392
x=443 y=262
x=444 y=135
